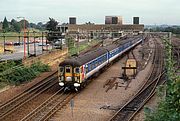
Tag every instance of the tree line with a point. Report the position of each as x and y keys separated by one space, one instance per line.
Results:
x=173 y=29
x=18 y=26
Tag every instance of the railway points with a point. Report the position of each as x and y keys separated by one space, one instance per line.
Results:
x=127 y=112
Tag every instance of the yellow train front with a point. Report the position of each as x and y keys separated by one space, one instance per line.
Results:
x=70 y=74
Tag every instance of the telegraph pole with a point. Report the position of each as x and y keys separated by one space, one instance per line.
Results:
x=24 y=35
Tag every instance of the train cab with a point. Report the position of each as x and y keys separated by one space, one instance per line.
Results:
x=69 y=75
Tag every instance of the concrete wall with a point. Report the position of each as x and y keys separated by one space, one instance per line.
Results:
x=51 y=58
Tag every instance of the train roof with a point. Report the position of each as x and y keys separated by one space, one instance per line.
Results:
x=111 y=47
x=82 y=59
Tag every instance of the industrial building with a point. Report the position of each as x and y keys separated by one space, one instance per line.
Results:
x=113 y=27
x=113 y=20
x=72 y=20
x=97 y=30
x=135 y=20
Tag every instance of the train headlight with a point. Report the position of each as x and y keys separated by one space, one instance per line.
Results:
x=61 y=84
x=76 y=85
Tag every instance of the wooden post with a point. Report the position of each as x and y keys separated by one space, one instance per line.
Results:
x=28 y=43
x=34 y=45
x=42 y=42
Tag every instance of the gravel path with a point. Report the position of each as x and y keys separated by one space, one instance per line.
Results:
x=94 y=104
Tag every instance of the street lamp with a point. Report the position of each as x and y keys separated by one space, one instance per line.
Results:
x=24 y=35
x=78 y=37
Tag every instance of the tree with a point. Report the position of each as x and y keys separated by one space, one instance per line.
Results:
x=51 y=24
x=22 y=24
x=15 y=26
x=5 y=25
x=32 y=25
x=40 y=26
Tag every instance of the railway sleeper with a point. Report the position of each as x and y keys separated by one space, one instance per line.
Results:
x=130 y=108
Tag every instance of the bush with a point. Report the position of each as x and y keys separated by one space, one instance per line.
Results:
x=6 y=65
x=22 y=74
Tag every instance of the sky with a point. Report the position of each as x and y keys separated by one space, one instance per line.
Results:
x=151 y=12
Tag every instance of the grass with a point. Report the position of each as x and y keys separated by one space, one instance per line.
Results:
x=74 y=50
x=3 y=85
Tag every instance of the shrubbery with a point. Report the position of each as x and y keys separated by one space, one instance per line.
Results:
x=22 y=74
x=169 y=107
x=6 y=65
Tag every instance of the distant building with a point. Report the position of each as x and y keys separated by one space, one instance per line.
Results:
x=108 y=19
x=72 y=20
x=100 y=28
x=113 y=27
x=120 y=21
x=135 y=20
x=113 y=20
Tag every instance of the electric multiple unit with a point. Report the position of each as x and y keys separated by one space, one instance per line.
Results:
x=74 y=73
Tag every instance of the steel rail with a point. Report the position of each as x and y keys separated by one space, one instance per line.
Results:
x=13 y=104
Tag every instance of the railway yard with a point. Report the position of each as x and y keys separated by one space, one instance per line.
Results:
x=106 y=97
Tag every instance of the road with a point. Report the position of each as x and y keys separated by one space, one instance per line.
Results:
x=19 y=52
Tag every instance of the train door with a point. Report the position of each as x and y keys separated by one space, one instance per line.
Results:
x=77 y=72
x=82 y=74
x=61 y=73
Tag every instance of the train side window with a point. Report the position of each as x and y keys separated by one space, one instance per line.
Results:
x=92 y=66
x=86 y=68
x=104 y=58
x=96 y=63
x=61 y=69
x=99 y=61
x=68 y=69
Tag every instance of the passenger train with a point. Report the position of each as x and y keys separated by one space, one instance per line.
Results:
x=74 y=73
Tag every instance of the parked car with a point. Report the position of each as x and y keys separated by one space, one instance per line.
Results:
x=58 y=43
x=8 y=43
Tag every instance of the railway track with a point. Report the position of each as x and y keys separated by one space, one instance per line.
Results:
x=156 y=69
x=176 y=52
x=128 y=111
x=18 y=101
x=49 y=107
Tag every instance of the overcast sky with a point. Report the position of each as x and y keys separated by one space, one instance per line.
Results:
x=149 y=11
